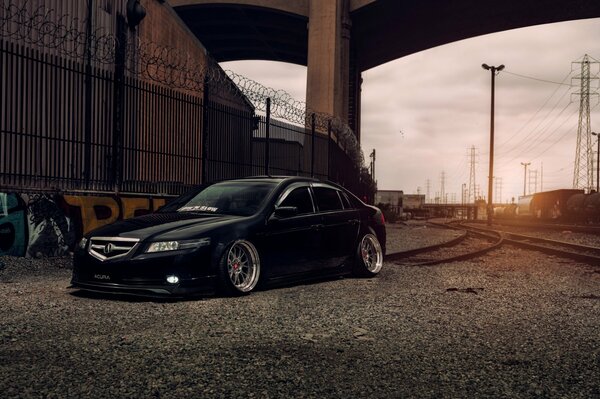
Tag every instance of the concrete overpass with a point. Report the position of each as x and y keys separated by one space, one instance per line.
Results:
x=338 y=39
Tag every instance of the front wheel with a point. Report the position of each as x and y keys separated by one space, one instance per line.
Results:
x=239 y=268
x=369 y=256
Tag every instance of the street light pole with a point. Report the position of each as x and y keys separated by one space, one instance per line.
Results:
x=525 y=176
x=597 y=162
x=493 y=70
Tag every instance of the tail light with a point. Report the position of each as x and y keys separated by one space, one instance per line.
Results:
x=382 y=217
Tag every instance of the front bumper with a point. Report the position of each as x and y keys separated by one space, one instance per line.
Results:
x=186 y=289
x=146 y=275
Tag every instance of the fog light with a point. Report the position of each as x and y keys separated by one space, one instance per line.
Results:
x=172 y=279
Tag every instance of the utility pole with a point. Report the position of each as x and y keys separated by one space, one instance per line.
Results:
x=428 y=197
x=494 y=71
x=372 y=156
x=525 y=164
x=597 y=161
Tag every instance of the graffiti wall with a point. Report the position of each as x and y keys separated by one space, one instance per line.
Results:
x=37 y=225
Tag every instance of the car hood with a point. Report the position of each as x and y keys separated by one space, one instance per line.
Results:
x=167 y=226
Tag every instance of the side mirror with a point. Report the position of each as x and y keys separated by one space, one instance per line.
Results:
x=285 y=212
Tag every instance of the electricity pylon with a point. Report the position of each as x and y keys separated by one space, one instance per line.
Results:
x=583 y=172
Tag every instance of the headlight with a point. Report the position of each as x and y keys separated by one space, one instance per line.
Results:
x=163 y=246
x=83 y=243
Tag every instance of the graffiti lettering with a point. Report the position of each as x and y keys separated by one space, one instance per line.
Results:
x=49 y=225
x=95 y=211
x=13 y=225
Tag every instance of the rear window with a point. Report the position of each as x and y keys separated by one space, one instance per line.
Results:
x=327 y=199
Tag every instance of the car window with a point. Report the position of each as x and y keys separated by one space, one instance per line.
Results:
x=345 y=200
x=300 y=198
x=327 y=199
x=231 y=198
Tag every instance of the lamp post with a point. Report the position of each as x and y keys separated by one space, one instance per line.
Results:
x=525 y=176
x=494 y=71
x=597 y=162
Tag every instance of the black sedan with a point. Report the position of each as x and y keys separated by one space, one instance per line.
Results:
x=232 y=236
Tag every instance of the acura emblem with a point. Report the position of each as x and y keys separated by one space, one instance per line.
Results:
x=108 y=248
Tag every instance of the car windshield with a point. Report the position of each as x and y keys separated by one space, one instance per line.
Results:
x=230 y=198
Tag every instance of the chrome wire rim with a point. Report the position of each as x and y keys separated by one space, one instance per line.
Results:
x=371 y=253
x=243 y=266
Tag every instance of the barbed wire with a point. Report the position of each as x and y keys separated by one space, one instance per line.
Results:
x=68 y=36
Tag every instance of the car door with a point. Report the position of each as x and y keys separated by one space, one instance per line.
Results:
x=340 y=224
x=294 y=241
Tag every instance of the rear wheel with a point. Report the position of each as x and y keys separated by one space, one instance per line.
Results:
x=239 y=268
x=369 y=256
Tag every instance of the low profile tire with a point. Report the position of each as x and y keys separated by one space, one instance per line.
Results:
x=239 y=269
x=369 y=256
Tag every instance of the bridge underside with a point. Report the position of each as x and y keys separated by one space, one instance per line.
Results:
x=239 y=32
x=382 y=31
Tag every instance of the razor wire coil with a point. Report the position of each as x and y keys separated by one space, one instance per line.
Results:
x=69 y=37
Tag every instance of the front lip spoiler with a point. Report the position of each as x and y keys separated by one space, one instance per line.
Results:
x=176 y=291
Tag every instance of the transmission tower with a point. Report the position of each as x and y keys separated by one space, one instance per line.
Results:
x=533 y=174
x=498 y=190
x=582 y=173
x=472 y=183
x=542 y=178
x=443 y=186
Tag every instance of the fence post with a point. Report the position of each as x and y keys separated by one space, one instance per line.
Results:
x=267 y=136
x=204 y=143
x=329 y=149
x=87 y=149
x=119 y=103
x=312 y=146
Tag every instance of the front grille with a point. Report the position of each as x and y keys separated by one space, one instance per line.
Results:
x=108 y=248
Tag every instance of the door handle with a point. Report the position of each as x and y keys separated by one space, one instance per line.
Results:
x=317 y=227
x=353 y=222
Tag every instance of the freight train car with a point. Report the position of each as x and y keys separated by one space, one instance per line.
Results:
x=548 y=205
x=584 y=208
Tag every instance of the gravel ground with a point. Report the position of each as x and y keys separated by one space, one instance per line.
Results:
x=513 y=323
x=416 y=234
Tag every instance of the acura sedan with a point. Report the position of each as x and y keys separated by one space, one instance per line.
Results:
x=232 y=237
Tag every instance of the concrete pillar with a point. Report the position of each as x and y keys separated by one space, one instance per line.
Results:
x=327 y=86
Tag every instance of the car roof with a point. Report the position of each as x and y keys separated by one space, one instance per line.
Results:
x=274 y=179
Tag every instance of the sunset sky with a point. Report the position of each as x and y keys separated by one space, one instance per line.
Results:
x=423 y=112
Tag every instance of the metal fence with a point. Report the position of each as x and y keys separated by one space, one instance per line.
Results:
x=88 y=106
x=65 y=126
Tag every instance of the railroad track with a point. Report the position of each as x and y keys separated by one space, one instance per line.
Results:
x=470 y=244
x=578 y=252
x=579 y=228
x=476 y=241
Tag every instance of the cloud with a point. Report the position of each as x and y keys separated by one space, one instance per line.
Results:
x=440 y=100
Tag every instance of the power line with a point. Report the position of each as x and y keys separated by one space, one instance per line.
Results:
x=540 y=123
x=536 y=112
x=533 y=143
x=538 y=79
